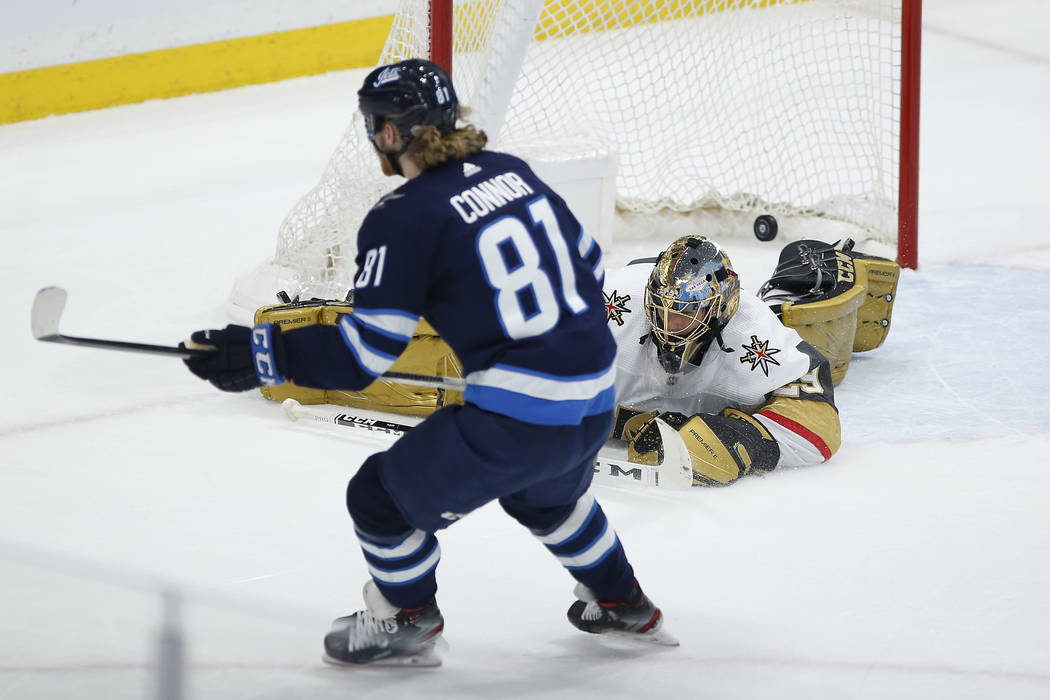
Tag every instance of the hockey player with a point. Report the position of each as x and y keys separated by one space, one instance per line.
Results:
x=745 y=392
x=486 y=252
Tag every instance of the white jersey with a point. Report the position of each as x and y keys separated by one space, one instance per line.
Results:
x=762 y=354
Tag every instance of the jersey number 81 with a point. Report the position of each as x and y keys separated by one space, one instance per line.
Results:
x=511 y=284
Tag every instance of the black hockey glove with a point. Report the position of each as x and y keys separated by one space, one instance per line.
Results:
x=230 y=367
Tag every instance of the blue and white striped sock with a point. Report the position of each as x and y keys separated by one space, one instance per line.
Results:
x=403 y=567
x=588 y=547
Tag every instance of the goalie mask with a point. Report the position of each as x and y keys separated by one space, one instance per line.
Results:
x=690 y=297
x=408 y=94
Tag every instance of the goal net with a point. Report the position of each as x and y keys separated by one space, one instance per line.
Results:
x=717 y=111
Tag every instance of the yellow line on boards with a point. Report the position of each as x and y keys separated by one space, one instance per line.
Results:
x=219 y=65
x=76 y=87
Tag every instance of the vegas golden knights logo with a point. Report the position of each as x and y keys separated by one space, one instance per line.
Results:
x=760 y=355
x=616 y=307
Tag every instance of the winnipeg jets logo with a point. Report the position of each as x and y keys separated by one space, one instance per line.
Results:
x=616 y=307
x=760 y=355
x=387 y=75
x=470 y=169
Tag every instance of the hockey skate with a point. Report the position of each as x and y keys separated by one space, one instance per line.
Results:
x=635 y=619
x=385 y=635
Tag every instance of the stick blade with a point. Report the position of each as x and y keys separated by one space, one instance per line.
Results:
x=47 y=311
x=676 y=471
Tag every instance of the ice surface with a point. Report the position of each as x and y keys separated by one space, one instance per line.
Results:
x=915 y=564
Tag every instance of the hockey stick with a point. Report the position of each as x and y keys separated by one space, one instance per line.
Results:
x=674 y=473
x=47 y=312
x=51 y=301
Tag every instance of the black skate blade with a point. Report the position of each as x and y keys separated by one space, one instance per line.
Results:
x=427 y=657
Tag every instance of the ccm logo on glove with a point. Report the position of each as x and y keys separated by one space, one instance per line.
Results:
x=263 y=353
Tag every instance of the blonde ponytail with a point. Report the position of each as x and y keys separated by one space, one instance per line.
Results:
x=430 y=148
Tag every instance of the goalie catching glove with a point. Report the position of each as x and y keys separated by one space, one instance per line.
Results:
x=722 y=447
x=839 y=300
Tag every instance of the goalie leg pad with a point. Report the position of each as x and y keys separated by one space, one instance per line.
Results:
x=426 y=354
x=873 y=318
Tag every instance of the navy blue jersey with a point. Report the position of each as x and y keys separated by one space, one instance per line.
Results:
x=495 y=261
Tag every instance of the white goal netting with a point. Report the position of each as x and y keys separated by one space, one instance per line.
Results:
x=785 y=107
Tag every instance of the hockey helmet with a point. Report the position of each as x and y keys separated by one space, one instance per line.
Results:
x=691 y=294
x=408 y=94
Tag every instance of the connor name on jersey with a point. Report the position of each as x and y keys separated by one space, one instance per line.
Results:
x=488 y=195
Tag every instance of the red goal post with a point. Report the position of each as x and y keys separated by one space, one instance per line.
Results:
x=908 y=199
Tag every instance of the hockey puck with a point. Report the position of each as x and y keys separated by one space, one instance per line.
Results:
x=765 y=227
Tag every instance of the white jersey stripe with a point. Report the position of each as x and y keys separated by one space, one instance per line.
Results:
x=579 y=516
x=398 y=324
x=599 y=267
x=372 y=361
x=547 y=387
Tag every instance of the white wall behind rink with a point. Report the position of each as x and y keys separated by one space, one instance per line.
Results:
x=39 y=33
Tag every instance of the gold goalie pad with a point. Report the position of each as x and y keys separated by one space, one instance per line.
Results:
x=839 y=301
x=873 y=318
x=426 y=354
